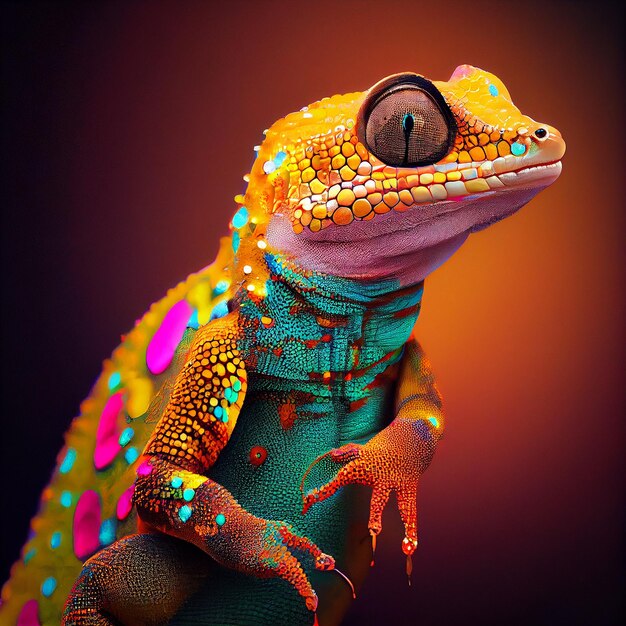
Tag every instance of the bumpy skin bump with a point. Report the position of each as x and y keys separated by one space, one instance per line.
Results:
x=286 y=365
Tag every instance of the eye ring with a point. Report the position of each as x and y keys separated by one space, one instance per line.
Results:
x=541 y=133
x=428 y=97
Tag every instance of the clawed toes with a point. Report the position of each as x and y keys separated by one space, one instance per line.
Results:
x=324 y=562
x=311 y=602
x=409 y=546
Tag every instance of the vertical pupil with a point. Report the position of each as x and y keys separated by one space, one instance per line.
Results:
x=408 y=122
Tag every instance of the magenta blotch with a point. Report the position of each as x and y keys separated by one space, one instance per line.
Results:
x=145 y=469
x=107 y=437
x=86 y=527
x=125 y=503
x=29 y=615
x=161 y=349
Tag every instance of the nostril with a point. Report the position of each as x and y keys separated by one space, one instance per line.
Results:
x=541 y=133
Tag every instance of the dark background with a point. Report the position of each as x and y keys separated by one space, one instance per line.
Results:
x=126 y=128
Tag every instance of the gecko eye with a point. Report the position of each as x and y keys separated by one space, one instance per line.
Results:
x=406 y=122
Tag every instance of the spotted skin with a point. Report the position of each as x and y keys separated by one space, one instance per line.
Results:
x=315 y=173
x=214 y=468
x=394 y=459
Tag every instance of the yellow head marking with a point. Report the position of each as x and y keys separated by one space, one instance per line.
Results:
x=320 y=168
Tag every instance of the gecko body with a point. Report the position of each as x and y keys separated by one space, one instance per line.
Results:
x=210 y=476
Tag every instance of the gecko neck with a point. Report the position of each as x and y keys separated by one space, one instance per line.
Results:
x=348 y=325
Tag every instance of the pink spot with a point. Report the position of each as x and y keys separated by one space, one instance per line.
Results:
x=29 y=615
x=161 y=349
x=145 y=469
x=125 y=503
x=107 y=437
x=87 y=525
x=462 y=70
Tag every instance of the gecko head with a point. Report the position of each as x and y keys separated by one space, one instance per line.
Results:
x=389 y=182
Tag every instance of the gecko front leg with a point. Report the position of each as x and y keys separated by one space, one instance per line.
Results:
x=395 y=458
x=173 y=495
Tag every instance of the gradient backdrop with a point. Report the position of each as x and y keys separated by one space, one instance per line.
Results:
x=126 y=130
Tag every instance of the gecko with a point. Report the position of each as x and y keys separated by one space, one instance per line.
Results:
x=241 y=443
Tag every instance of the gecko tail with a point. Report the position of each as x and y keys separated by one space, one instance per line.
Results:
x=87 y=505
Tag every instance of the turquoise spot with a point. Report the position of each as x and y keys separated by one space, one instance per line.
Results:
x=518 y=148
x=220 y=519
x=48 y=586
x=237 y=385
x=107 y=532
x=193 y=320
x=219 y=310
x=55 y=540
x=126 y=436
x=280 y=157
x=68 y=461
x=493 y=90
x=218 y=411
x=184 y=512
x=221 y=287
x=29 y=555
x=114 y=380
x=66 y=499
x=230 y=395
x=177 y=481
x=240 y=219
x=131 y=455
x=235 y=241
x=188 y=495
x=225 y=416
x=434 y=421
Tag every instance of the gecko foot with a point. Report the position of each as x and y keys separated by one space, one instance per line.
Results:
x=391 y=461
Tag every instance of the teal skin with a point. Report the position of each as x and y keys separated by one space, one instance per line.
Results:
x=373 y=323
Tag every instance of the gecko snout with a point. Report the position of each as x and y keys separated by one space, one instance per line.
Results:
x=550 y=141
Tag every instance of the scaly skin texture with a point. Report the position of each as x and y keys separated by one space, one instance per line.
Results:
x=209 y=475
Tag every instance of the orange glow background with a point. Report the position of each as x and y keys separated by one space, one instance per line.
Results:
x=127 y=129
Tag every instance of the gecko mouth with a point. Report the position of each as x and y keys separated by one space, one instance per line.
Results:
x=387 y=190
x=541 y=165
x=531 y=174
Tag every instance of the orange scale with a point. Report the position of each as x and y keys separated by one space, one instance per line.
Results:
x=343 y=216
